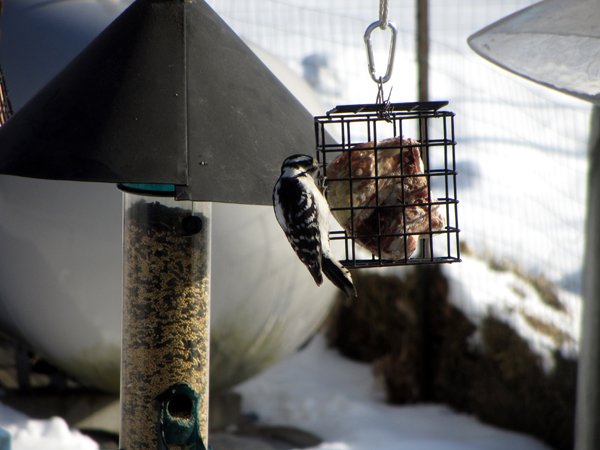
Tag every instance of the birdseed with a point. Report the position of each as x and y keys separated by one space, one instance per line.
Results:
x=166 y=314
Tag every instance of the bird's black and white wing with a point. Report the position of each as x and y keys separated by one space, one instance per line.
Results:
x=297 y=213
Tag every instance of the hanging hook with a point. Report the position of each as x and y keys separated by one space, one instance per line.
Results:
x=383 y=24
x=390 y=63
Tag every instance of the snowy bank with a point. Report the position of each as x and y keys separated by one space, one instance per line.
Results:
x=337 y=399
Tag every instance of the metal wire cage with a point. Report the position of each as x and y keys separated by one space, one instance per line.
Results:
x=394 y=196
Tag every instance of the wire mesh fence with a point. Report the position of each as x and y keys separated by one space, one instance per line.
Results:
x=521 y=155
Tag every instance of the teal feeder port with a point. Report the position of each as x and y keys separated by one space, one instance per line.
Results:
x=179 y=418
x=148 y=188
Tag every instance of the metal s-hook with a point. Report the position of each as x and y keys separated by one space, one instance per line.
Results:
x=390 y=63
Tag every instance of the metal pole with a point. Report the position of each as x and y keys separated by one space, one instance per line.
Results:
x=166 y=323
x=423 y=49
x=587 y=427
x=422 y=44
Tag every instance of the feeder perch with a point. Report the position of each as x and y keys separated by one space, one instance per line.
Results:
x=394 y=196
x=171 y=106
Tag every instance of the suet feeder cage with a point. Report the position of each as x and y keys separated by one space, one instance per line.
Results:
x=394 y=197
x=389 y=174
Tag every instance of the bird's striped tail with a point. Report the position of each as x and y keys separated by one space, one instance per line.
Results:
x=339 y=275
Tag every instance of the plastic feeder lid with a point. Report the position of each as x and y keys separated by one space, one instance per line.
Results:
x=167 y=94
x=554 y=42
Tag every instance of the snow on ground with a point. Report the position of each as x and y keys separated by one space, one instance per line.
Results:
x=321 y=392
x=509 y=297
x=337 y=399
x=51 y=434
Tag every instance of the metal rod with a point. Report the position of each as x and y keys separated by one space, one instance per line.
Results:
x=422 y=41
x=423 y=49
x=587 y=428
x=166 y=323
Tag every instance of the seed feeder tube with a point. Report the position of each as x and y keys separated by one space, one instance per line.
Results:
x=389 y=175
x=166 y=320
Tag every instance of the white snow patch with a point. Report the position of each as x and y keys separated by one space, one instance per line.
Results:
x=33 y=434
x=507 y=297
x=321 y=392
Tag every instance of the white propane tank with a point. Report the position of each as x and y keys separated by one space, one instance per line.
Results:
x=61 y=274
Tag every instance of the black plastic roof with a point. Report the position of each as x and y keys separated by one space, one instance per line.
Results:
x=166 y=94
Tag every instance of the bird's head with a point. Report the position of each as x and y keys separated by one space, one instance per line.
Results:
x=297 y=165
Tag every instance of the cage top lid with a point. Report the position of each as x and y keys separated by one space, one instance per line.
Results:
x=553 y=42
x=379 y=107
x=167 y=93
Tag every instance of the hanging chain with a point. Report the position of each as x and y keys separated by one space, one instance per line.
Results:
x=383 y=24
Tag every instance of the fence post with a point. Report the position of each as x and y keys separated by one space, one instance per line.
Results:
x=587 y=426
x=422 y=38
